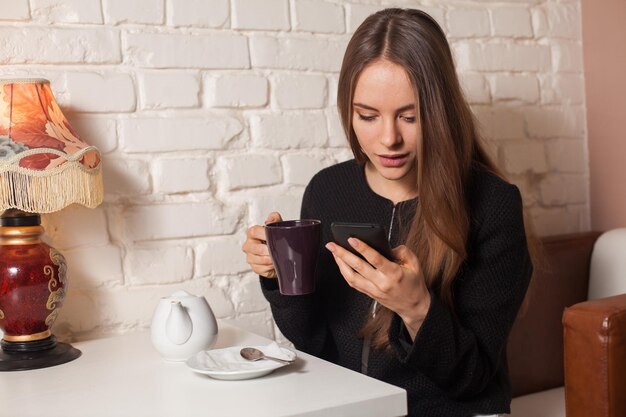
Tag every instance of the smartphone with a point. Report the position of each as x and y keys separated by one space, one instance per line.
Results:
x=372 y=234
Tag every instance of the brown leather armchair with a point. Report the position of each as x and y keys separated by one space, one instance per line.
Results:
x=567 y=354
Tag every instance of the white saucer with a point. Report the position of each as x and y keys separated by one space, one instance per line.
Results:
x=227 y=364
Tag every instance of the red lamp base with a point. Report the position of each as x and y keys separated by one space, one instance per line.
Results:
x=33 y=283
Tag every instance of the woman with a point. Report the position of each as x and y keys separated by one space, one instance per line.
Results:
x=434 y=320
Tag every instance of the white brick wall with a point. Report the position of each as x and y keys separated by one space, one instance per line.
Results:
x=567 y=156
x=299 y=91
x=36 y=45
x=512 y=22
x=265 y=15
x=94 y=92
x=520 y=158
x=161 y=50
x=170 y=90
x=221 y=256
x=159 y=265
x=14 y=10
x=168 y=172
x=468 y=23
x=563 y=190
x=126 y=177
x=94 y=266
x=555 y=122
x=563 y=89
x=236 y=90
x=501 y=123
x=212 y=113
x=198 y=13
x=99 y=132
x=247 y=296
x=76 y=226
x=357 y=13
x=67 y=11
x=554 y=220
x=506 y=57
x=136 y=11
x=177 y=134
x=567 y=56
x=287 y=204
x=475 y=88
x=337 y=137
x=516 y=87
x=298 y=53
x=284 y=131
x=563 y=20
x=319 y=16
x=299 y=168
x=169 y=221
x=248 y=171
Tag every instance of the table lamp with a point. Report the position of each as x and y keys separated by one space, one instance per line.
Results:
x=44 y=167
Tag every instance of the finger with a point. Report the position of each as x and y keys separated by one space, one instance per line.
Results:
x=259 y=260
x=382 y=275
x=264 y=271
x=356 y=263
x=253 y=247
x=354 y=279
x=257 y=233
x=273 y=217
x=372 y=256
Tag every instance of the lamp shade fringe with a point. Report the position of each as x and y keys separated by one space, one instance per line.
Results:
x=72 y=183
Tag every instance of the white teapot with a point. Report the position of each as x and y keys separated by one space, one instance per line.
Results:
x=183 y=325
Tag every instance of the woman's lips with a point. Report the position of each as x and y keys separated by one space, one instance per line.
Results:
x=393 y=161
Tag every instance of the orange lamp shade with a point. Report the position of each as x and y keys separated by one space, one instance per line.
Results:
x=44 y=165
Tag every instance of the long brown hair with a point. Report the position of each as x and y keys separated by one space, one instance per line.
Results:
x=450 y=145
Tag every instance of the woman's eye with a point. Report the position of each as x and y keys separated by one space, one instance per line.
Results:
x=408 y=119
x=366 y=118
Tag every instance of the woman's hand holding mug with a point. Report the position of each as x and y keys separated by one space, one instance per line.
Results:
x=256 y=250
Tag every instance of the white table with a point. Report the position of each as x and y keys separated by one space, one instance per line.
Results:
x=125 y=376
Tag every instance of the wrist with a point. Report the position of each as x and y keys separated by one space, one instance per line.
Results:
x=414 y=318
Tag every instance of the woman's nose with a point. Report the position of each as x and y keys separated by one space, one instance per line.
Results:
x=390 y=135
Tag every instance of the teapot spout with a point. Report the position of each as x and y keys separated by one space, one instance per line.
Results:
x=178 y=326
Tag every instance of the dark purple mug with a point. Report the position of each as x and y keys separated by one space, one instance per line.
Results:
x=294 y=247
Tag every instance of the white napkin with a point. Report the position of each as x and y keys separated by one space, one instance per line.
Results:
x=229 y=359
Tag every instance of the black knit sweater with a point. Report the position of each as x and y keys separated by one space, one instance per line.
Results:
x=457 y=365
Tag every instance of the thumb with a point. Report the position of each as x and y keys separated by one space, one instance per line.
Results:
x=273 y=217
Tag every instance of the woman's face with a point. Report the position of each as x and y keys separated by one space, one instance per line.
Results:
x=385 y=120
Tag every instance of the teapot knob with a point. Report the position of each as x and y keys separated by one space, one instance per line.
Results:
x=178 y=326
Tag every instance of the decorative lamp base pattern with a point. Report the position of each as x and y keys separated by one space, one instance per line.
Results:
x=33 y=284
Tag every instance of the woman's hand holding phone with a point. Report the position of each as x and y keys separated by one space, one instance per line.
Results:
x=398 y=285
x=372 y=234
x=256 y=250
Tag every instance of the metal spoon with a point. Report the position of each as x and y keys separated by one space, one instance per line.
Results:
x=253 y=354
